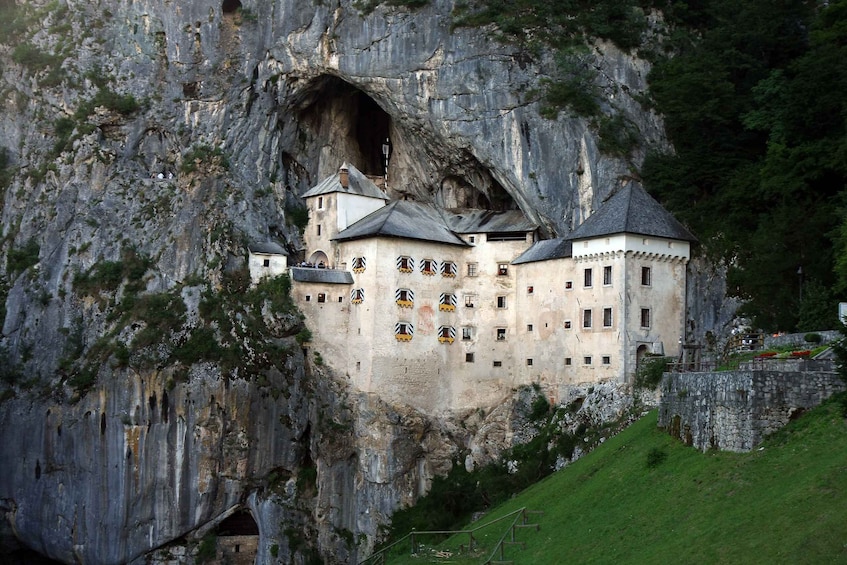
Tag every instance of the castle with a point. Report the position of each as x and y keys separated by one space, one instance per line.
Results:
x=451 y=310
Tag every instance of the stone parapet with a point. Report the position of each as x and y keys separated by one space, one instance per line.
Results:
x=735 y=410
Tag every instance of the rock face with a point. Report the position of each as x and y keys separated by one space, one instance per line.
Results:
x=178 y=133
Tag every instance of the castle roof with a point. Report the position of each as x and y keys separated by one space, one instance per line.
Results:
x=631 y=210
x=546 y=249
x=266 y=247
x=486 y=221
x=312 y=275
x=406 y=219
x=358 y=184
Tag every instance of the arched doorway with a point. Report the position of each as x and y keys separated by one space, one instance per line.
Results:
x=319 y=259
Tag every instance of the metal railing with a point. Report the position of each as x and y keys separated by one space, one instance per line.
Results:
x=379 y=557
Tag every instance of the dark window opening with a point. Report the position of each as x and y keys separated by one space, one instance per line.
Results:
x=230 y=6
x=266 y=262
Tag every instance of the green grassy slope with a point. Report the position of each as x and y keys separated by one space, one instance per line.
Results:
x=784 y=503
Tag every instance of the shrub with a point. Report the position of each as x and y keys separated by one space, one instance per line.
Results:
x=298 y=216
x=303 y=336
x=207 y=550
x=813 y=337
x=655 y=457
x=650 y=372
x=23 y=258
x=540 y=408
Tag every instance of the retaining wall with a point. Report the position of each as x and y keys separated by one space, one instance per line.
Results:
x=735 y=410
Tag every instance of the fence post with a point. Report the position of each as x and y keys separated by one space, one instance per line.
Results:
x=414 y=548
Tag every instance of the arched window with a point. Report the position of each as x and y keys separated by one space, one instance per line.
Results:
x=358 y=264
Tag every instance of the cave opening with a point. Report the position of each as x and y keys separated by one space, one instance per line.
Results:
x=348 y=123
x=230 y=6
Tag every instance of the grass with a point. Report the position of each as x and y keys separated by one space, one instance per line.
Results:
x=624 y=503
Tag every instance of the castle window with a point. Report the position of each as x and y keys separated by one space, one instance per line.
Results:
x=530 y=290
x=472 y=269
x=607 y=317
x=467 y=333
x=501 y=334
x=567 y=324
x=587 y=359
x=308 y=298
x=529 y=327
x=447 y=302
x=357 y=295
x=446 y=334
x=470 y=300
x=403 y=331
x=340 y=299
x=448 y=269
x=405 y=264
x=587 y=277
x=429 y=267
x=498 y=363
x=404 y=297
x=568 y=285
x=320 y=202
x=567 y=361
x=502 y=269
x=266 y=263
x=359 y=264
x=501 y=302
x=321 y=297
x=319 y=229
x=607 y=275
x=472 y=239
x=645 y=317
x=607 y=360
x=468 y=357
x=529 y=362
x=586 y=318
x=646 y=276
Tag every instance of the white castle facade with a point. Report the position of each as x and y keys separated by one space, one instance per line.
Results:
x=452 y=310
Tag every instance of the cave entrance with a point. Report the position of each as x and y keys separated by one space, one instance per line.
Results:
x=238 y=538
x=347 y=124
x=230 y=6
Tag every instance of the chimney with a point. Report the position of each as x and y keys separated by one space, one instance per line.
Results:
x=344 y=176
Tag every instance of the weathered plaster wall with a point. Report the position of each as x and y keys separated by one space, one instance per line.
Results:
x=735 y=410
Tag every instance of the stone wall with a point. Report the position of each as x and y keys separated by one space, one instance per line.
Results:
x=735 y=410
x=799 y=339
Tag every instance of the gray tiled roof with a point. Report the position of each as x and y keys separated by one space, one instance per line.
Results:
x=545 y=249
x=486 y=221
x=406 y=219
x=330 y=276
x=631 y=210
x=268 y=247
x=358 y=183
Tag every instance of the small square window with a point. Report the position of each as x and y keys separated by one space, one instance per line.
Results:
x=529 y=327
x=340 y=299
x=568 y=285
x=321 y=297
x=472 y=269
x=587 y=359
x=502 y=269
x=266 y=263
x=468 y=357
x=501 y=302
x=607 y=275
x=470 y=299
x=498 y=363
x=567 y=324
x=587 y=278
x=501 y=334
x=472 y=239
x=308 y=298
x=607 y=360
x=530 y=290
x=567 y=361
x=529 y=362
x=467 y=333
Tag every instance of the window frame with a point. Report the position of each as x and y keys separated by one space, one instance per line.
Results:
x=501 y=302
x=608 y=318
x=502 y=269
x=607 y=275
x=472 y=269
x=588 y=277
x=646 y=276
x=587 y=318
x=646 y=315
x=500 y=334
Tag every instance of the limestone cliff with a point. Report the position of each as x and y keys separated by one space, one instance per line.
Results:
x=143 y=145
